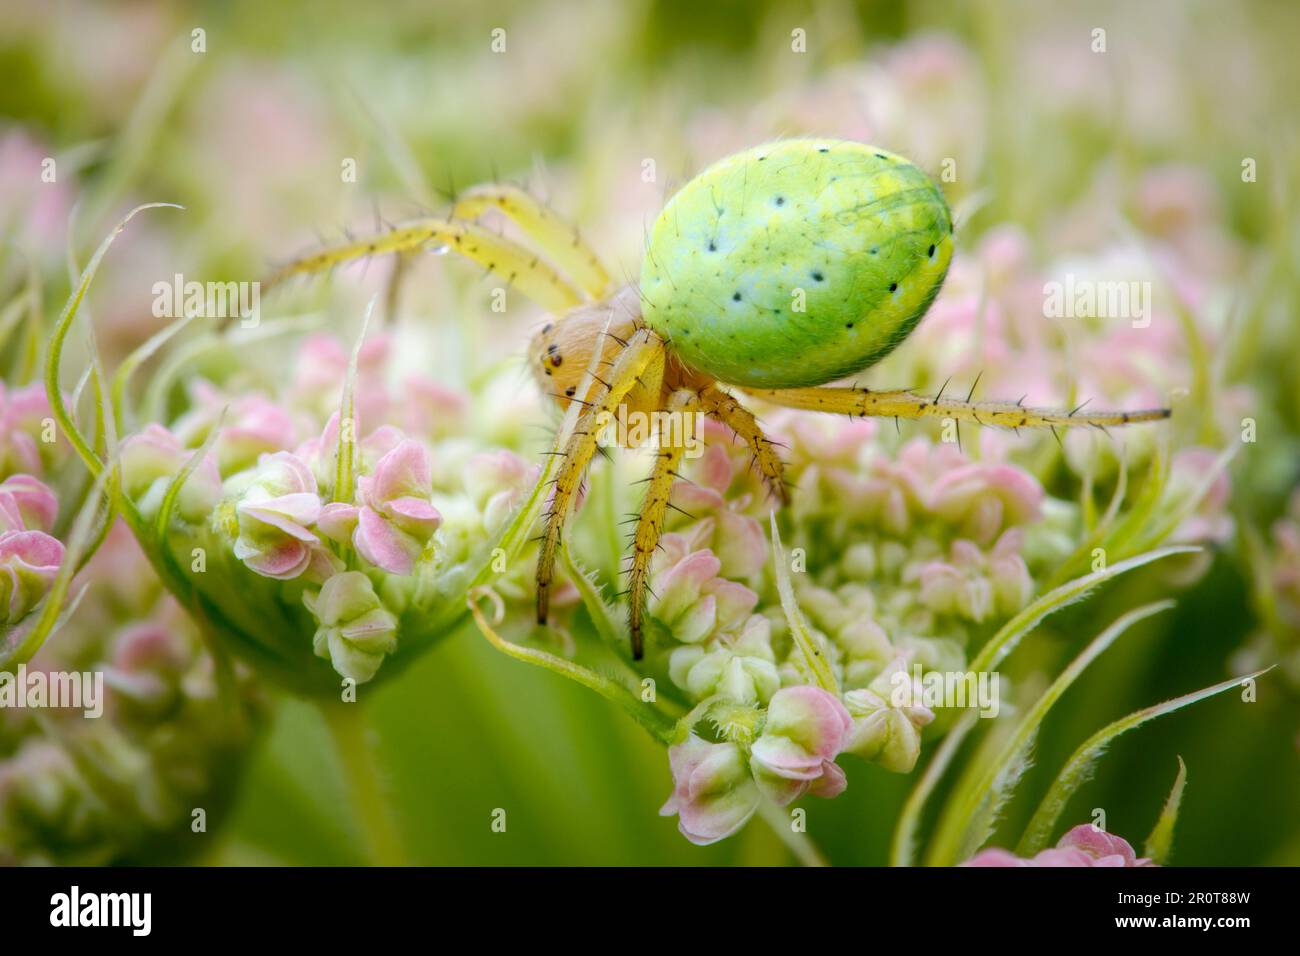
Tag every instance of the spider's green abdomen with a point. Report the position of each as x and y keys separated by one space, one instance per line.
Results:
x=796 y=263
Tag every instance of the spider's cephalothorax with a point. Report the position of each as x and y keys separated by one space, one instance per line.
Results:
x=774 y=271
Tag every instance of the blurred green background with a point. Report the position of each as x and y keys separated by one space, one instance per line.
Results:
x=249 y=136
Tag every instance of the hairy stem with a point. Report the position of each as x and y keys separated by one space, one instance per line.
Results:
x=361 y=776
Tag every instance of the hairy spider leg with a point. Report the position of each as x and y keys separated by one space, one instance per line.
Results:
x=724 y=407
x=863 y=402
x=650 y=522
x=521 y=267
x=554 y=235
x=641 y=362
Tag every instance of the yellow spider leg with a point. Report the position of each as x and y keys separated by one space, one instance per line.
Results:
x=905 y=404
x=522 y=268
x=724 y=407
x=642 y=361
x=556 y=237
x=650 y=524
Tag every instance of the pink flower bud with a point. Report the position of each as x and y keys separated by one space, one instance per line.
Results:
x=694 y=602
x=29 y=562
x=806 y=728
x=274 y=514
x=981 y=500
x=23 y=413
x=713 y=792
x=887 y=729
x=1085 y=845
x=396 y=519
x=356 y=632
x=253 y=426
x=431 y=409
x=26 y=504
x=741 y=668
x=152 y=458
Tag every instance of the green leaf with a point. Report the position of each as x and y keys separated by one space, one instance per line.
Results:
x=602 y=615
x=163 y=520
x=345 y=471
x=1099 y=533
x=814 y=659
x=969 y=817
x=1161 y=840
x=1079 y=767
x=61 y=328
x=105 y=430
x=122 y=377
x=1166 y=524
x=903 y=849
x=1005 y=640
x=121 y=165
x=13 y=313
x=658 y=724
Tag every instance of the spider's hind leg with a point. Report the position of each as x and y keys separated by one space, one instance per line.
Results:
x=862 y=402
x=673 y=442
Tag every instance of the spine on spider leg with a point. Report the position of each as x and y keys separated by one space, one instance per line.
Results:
x=906 y=404
x=1012 y=415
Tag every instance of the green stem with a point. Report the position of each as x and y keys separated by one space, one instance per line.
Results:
x=800 y=844
x=347 y=727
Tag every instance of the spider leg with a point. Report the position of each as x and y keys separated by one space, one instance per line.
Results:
x=723 y=407
x=650 y=524
x=519 y=266
x=556 y=237
x=905 y=404
x=642 y=359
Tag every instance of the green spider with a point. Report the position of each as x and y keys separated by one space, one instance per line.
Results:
x=775 y=271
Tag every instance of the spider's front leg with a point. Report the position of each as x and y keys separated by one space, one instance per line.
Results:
x=673 y=442
x=641 y=362
x=534 y=277
x=862 y=402
x=555 y=236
